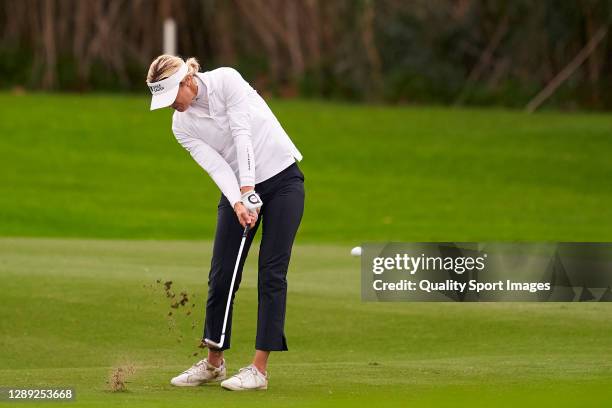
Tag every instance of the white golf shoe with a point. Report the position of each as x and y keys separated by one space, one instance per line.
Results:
x=200 y=373
x=248 y=378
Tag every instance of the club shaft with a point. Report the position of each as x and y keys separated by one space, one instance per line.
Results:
x=231 y=290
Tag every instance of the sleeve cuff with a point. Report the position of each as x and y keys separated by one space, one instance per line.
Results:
x=234 y=198
x=247 y=181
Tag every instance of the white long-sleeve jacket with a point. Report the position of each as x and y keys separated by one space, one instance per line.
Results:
x=239 y=141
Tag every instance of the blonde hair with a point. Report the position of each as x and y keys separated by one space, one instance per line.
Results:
x=165 y=65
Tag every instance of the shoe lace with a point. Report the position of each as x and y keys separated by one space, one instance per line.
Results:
x=250 y=368
x=244 y=371
x=199 y=366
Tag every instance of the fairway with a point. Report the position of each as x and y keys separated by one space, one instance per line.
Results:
x=73 y=309
x=98 y=202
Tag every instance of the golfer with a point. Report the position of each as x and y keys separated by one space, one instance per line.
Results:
x=230 y=131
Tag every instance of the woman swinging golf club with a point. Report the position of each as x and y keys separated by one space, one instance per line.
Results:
x=230 y=131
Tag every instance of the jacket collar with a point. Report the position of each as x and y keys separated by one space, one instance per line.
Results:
x=205 y=77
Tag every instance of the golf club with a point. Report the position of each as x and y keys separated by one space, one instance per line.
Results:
x=229 y=296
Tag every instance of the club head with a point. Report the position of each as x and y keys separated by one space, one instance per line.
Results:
x=212 y=344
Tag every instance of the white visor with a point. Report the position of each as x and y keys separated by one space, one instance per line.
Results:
x=164 y=92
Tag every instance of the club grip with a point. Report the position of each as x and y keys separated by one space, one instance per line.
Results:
x=246 y=230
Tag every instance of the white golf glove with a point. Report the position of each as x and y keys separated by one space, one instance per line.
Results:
x=251 y=201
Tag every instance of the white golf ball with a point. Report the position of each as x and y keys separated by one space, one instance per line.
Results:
x=356 y=251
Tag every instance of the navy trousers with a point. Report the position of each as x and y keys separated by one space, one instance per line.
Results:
x=281 y=214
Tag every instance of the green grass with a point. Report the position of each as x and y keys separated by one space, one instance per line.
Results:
x=97 y=201
x=104 y=166
x=73 y=309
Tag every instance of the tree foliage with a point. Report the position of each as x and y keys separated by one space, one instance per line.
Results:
x=431 y=51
